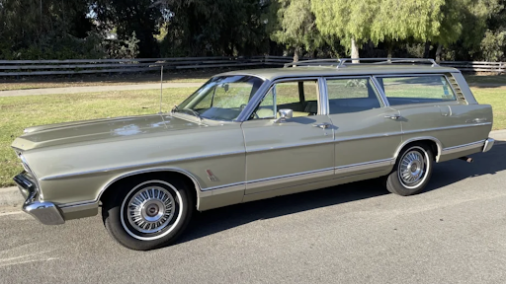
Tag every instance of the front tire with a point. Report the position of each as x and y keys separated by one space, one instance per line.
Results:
x=150 y=214
x=412 y=170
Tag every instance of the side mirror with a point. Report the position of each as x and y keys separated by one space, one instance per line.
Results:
x=284 y=114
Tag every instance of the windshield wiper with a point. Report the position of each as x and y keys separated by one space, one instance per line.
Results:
x=194 y=112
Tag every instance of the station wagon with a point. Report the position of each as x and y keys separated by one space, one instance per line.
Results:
x=250 y=135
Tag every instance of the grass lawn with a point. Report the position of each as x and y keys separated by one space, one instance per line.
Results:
x=44 y=85
x=485 y=79
x=17 y=113
x=81 y=80
x=496 y=97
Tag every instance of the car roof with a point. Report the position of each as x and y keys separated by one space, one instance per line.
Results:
x=349 y=70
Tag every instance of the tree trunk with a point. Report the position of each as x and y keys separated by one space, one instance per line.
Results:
x=296 y=54
x=390 y=50
x=438 y=52
x=354 y=51
x=315 y=53
x=426 y=50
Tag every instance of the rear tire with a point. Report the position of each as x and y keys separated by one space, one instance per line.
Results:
x=412 y=170
x=149 y=214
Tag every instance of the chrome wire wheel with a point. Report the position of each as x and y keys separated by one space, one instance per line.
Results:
x=413 y=167
x=151 y=210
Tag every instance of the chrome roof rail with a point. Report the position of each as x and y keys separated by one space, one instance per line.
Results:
x=343 y=62
x=315 y=62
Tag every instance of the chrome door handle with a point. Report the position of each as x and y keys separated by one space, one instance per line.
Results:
x=393 y=117
x=323 y=125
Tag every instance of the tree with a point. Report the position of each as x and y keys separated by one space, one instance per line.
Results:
x=38 y=29
x=129 y=16
x=293 y=24
x=349 y=20
x=214 y=27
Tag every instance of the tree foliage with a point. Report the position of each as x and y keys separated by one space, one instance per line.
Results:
x=452 y=29
x=221 y=27
x=141 y=17
x=293 y=24
x=34 y=29
x=347 y=19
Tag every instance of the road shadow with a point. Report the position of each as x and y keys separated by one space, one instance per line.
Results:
x=221 y=219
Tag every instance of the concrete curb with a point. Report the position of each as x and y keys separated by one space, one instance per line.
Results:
x=499 y=135
x=10 y=196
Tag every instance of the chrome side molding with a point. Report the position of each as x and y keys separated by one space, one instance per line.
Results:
x=461 y=148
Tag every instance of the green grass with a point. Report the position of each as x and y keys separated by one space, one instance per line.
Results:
x=496 y=97
x=17 y=113
x=486 y=79
x=44 y=85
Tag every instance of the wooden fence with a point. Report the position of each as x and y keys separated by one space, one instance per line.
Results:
x=89 y=66
x=476 y=66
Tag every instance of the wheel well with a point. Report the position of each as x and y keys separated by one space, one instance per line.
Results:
x=163 y=175
x=430 y=143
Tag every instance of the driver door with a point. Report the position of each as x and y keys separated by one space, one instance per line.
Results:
x=288 y=153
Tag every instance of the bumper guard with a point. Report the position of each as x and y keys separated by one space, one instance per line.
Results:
x=45 y=212
x=488 y=145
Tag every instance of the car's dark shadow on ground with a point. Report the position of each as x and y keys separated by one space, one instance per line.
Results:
x=217 y=220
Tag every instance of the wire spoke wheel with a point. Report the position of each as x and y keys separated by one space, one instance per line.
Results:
x=412 y=168
x=150 y=209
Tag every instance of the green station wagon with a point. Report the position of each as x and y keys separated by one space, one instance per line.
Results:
x=250 y=135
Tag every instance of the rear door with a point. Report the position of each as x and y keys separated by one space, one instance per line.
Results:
x=367 y=131
x=430 y=107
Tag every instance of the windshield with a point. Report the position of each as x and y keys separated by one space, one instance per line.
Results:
x=221 y=98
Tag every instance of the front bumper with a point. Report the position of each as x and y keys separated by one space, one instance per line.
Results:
x=489 y=143
x=46 y=212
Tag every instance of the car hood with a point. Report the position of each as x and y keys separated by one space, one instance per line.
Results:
x=99 y=129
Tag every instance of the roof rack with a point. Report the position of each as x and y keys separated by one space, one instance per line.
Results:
x=343 y=62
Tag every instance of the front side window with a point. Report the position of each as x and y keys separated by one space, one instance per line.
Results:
x=221 y=98
x=417 y=89
x=348 y=95
x=299 y=96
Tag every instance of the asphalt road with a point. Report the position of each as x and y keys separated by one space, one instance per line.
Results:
x=455 y=232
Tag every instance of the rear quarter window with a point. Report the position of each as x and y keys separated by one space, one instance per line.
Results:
x=417 y=89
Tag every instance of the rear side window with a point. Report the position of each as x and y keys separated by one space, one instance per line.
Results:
x=417 y=89
x=351 y=95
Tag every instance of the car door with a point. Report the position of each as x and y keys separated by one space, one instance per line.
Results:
x=430 y=107
x=287 y=153
x=367 y=132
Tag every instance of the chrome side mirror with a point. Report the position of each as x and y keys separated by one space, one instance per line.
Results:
x=284 y=114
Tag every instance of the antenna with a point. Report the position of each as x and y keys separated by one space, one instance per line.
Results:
x=161 y=87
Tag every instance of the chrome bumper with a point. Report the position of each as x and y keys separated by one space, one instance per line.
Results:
x=488 y=145
x=46 y=212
